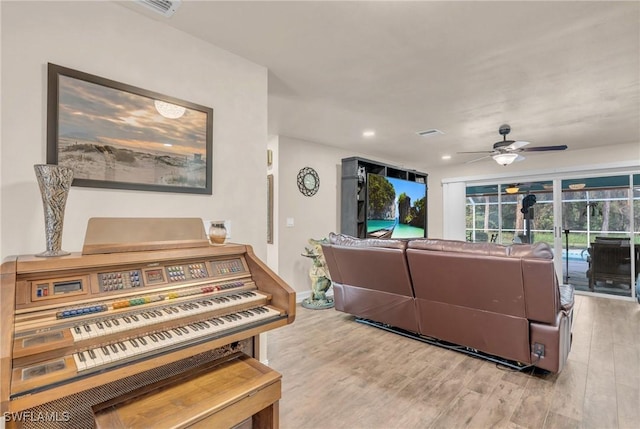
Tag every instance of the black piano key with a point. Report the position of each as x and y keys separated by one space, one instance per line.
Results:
x=81 y=357
x=105 y=350
x=115 y=322
x=78 y=330
x=107 y=323
x=113 y=348
x=127 y=319
x=143 y=341
x=133 y=342
x=121 y=345
x=145 y=315
x=134 y=317
x=166 y=310
x=92 y=354
x=99 y=325
x=87 y=328
x=153 y=338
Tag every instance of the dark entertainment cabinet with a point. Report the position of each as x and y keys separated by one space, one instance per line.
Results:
x=354 y=191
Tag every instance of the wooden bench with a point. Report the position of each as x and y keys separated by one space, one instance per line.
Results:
x=221 y=395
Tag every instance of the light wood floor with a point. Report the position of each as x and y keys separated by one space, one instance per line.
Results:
x=341 y=374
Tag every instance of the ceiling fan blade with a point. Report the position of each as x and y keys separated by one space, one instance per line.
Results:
x=519 y=158
x=516 y=145
x=544 y=148
x=478 y=159
x=480 y=151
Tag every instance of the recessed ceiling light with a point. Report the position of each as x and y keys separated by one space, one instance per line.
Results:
x=446 y=156
x=368 y=133
x=168 y=144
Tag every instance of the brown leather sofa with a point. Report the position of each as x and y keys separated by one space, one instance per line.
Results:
x=503 y=301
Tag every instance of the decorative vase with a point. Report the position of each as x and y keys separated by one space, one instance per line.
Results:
x=54 y=182
x=217 y=233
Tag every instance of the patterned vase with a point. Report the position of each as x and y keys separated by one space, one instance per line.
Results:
x=54 y=182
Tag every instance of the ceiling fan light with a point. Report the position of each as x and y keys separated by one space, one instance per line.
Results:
x=505 y=158
x=511 y=189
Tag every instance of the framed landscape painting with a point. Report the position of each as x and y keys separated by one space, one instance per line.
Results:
x=114 y=135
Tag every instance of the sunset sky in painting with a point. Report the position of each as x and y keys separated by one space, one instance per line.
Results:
x=94 y=113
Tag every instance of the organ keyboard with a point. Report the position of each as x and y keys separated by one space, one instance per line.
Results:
x=73 y=324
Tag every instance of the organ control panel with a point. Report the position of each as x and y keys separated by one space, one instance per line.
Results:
x=72 y=323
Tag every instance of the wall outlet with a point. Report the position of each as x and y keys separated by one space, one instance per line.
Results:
x=538 y=349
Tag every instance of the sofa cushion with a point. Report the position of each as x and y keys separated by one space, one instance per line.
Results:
x=375 y=268
x=479 y=281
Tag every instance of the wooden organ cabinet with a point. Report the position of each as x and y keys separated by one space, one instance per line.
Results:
x=141 y=333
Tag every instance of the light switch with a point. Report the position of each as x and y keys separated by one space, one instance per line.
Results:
x=289 y=222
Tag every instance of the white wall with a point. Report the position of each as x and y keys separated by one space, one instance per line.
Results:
x=314 y=217
x=108 y=40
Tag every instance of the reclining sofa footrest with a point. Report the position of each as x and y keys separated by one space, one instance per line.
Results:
x=518 y=366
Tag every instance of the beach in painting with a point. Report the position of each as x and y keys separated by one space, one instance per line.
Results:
x=95 y=161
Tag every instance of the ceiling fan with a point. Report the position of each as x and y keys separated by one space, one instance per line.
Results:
x=507 y=151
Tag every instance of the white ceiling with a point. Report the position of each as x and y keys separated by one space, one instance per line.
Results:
x=557 y=72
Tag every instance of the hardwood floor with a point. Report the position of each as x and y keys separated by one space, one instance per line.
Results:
x=341 y=374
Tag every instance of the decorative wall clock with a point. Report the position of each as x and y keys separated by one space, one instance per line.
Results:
x=308 y=181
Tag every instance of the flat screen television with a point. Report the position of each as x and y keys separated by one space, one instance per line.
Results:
x=396 y=208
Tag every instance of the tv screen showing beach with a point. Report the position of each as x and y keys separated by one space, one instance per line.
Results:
x=396 y=208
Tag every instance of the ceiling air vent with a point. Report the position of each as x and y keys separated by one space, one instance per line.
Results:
x=163 y=7
x=431 y=132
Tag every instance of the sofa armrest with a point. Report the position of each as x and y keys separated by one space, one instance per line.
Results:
x=566 y=297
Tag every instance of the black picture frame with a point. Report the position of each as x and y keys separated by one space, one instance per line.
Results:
x=113 y=135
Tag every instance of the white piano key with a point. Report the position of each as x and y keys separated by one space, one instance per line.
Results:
x=80 y=361
x=92 y=359
x=104 y=353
